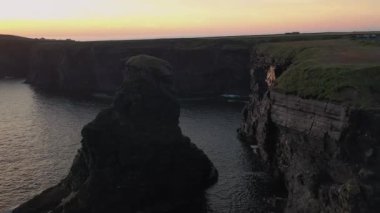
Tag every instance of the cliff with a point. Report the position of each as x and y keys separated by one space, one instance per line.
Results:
x=134 y=157
x=14 y=55
x=200 y=69
x=203 y=66
x=321 y=145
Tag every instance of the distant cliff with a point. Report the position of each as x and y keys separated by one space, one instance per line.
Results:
x=213 y=69
x=322 y=145
x=14 y=55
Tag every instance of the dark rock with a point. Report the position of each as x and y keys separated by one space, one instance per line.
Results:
x=14 y=56
x=95 y=66
x=134 y=157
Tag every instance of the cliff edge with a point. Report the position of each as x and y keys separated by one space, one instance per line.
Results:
x=134 y=157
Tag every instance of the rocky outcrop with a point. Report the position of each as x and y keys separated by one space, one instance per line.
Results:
x=134 y=157
x=213 y=69
x=323 y=155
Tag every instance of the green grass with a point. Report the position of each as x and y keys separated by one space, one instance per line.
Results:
x=340 y=70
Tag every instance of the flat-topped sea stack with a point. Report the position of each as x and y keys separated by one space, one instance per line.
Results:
x=134 y=157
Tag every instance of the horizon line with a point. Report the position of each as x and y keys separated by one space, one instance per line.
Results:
x=202 y=37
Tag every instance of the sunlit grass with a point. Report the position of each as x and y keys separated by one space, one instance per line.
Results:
x=339 y=70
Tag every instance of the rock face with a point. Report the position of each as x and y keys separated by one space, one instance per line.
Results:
x=95 y=66
x=134 y=157
x=202 y=67
x=14 y=56
x=325 y=156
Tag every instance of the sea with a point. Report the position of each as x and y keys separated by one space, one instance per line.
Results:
x=40 y=135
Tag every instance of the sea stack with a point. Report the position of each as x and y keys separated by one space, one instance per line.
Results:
x=134 y=157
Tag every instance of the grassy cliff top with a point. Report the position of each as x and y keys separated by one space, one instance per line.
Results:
x=340 y=70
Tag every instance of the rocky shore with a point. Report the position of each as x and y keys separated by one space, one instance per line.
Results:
x=134 y=157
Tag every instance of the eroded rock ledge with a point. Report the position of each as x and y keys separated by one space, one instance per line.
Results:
x=324 y=156
x=134 y=157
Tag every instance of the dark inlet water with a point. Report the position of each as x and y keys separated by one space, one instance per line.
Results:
x=40 y=133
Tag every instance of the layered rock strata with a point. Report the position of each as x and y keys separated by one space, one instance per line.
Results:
x=134 y=157
x=325 y=156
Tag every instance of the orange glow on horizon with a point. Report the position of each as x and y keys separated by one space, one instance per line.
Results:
x=123 y=19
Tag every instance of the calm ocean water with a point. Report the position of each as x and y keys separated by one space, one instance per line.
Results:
x=40 y=134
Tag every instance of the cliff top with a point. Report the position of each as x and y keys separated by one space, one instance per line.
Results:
x=224 y=42
x=148 y=68
x=146 y=62
x=342 y=70
x=12 y=37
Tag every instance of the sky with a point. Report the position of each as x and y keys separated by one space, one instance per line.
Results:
x=137 y=19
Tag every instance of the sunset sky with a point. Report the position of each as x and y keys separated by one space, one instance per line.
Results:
x=130 y=19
